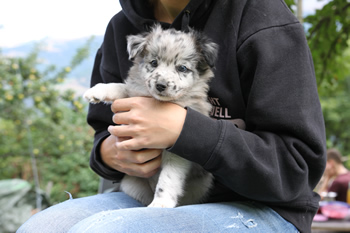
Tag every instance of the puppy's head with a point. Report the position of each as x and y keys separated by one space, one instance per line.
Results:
x=172 y=63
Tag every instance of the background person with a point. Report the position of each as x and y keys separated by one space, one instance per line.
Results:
x=336 y=177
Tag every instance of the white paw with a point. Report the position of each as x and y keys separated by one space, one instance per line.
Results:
x=96 y=94
x=162 y=204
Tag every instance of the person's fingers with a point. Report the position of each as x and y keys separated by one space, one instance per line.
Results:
x=125 y=118
x=133 y=144
x=144 y=170
x=126 y=132
x=124 y=105
x=143 y=156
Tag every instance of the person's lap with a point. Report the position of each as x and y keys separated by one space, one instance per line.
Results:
x=117 y=212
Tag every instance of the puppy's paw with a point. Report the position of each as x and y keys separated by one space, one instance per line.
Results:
x=96 y=94
x=162 y=204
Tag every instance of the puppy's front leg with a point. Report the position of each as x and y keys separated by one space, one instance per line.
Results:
x=171 y=182
x=106 y=92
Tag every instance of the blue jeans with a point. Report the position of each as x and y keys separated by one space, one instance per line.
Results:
x=117 y=212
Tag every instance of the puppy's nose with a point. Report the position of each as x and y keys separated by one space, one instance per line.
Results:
x=161 y=87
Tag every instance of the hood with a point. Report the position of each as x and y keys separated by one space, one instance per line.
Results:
x=140 y=14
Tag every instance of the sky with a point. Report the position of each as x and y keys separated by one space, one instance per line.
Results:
x=23 y=21
x=309 y=6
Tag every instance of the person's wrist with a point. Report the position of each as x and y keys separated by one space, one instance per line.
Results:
x=177 y=124
x=106 y=149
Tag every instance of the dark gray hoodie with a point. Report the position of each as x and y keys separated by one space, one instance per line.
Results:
x=264 y=75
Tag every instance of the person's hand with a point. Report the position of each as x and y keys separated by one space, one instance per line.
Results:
x=143 y=163
x=146 y=123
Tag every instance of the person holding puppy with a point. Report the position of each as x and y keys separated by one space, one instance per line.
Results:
x=265 y=169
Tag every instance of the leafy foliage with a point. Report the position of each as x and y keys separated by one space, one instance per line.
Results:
x=290 y=4
x=336 y=110
x=337 y=114
x=38 y=119
x=328 y=37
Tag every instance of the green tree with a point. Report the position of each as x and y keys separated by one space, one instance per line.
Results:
x=38 y=119
x=290 y=4
x=336 y=107
x=328 y=37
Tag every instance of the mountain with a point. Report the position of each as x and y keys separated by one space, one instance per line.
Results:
x=60 y=53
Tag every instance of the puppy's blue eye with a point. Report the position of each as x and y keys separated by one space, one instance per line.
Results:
x=182 y=68
x=154 y=63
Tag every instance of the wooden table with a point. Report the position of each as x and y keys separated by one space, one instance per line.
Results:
x=331 y=226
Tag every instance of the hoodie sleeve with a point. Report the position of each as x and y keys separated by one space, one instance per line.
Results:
x=109 y=67
x=280 y=156
x=99 y=118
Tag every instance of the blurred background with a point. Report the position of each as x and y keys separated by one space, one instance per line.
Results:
x=47 y=50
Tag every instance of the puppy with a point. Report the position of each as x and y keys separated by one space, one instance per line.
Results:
x=172 y=66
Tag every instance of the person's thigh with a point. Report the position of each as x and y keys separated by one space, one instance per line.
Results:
x=219 y=217
x=61 y=217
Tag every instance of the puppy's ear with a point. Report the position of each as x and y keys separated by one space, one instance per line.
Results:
x=136 y=44
x=209 y=50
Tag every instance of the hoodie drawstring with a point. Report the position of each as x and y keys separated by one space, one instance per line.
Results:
x=185 y=24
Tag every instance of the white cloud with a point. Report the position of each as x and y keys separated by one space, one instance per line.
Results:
x=72 y=84
x=22 y=20
x=309 y=6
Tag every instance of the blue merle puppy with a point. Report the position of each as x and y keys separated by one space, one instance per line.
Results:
x=172 y=66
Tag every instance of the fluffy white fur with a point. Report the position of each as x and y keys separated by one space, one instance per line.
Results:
x=173 y=66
